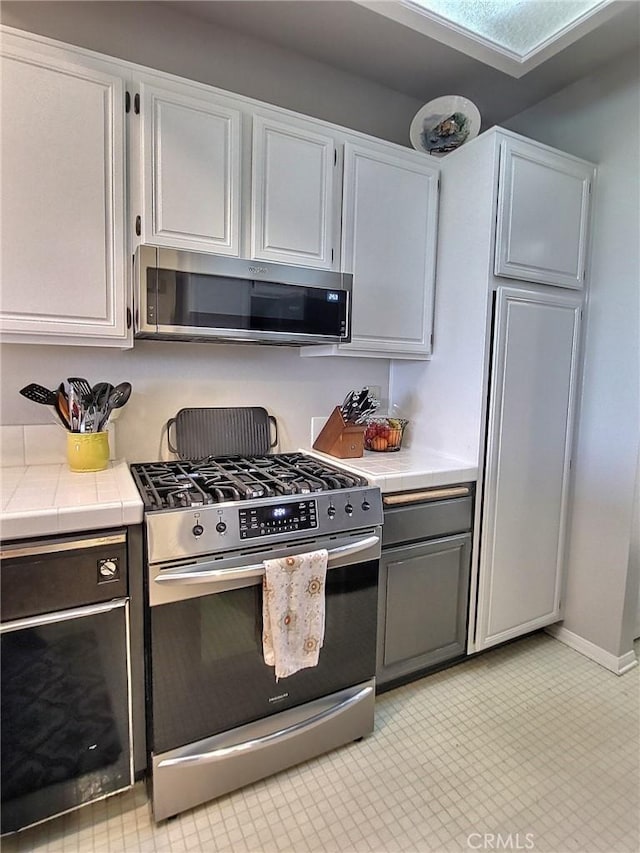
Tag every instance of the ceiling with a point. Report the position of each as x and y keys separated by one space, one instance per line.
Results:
x=359 y=40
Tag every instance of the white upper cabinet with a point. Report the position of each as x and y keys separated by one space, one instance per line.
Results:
x=543 y=215
x=62 y=249
x=190 y=145
x=390 y=207
x=531 y=404
x=293 y=203
x=191 y=167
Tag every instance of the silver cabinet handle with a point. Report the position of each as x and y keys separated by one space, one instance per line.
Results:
x=439 y=494
x=53 y=546
x=62 y=615
x=256 y=570
x=267 y=740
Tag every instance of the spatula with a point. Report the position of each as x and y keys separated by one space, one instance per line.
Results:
x=82 y=389
x=39 y=394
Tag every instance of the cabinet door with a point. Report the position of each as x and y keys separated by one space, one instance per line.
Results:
x=390 y=206
x=293 y=217
x=422 y=606
x=532 y=396
x=62 y=203
x=543 y=215
x=190 y=171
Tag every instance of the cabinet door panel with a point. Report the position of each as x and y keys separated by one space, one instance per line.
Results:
x=389 y=236
x=191 y=172
x=531 y=405
x=292 y=204
x=62 y=204
x=422 y=605
x=543 y=211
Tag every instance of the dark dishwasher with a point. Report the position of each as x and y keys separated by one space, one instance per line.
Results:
x=423 y=587
x=65 y=691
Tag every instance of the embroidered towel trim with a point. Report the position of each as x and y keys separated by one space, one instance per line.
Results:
x=293 y=608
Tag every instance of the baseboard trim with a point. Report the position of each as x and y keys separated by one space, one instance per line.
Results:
x=618 y=665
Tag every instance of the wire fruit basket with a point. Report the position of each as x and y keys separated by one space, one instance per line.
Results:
x=384 y=434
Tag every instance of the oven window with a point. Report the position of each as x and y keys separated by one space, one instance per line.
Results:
x=208 y=672
x=65 y=715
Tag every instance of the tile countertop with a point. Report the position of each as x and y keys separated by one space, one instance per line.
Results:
x=406 y=469
x=41 y=500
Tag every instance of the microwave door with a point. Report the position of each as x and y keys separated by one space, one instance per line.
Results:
x=277 y=308
x=211 y=302
x=194 y=304
x=194 y=296
x=305 y=312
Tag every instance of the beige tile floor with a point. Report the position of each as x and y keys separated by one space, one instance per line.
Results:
x=527 y=747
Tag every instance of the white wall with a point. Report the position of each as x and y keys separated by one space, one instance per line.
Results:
x=598 y=118
x=169 y=376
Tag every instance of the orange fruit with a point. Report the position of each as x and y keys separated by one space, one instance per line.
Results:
x=379 y=443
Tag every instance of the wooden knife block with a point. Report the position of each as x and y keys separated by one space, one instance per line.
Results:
x=340 y=439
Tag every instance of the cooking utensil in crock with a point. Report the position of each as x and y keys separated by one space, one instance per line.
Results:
x=82 y=389
x=96 y=405
x=39 y=394
x=117 y=399
x=61 y=406
x=119 y=395
x=100 y=393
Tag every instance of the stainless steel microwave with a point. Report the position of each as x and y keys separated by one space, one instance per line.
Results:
x=193 y=296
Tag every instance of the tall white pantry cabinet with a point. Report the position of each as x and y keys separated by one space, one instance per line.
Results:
x=501 y=388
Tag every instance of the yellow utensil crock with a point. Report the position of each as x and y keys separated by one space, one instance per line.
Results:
x=88 y=451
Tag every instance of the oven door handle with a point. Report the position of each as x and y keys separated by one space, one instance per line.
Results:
x=270 y=739
x=62 y=615
x=256 y=570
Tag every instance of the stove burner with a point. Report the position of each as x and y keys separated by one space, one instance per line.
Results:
x=170 y=485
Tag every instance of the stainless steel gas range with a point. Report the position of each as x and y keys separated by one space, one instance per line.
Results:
x=218 y=719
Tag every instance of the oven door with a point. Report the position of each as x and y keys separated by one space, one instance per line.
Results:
x=208 y=673
x=66 y=715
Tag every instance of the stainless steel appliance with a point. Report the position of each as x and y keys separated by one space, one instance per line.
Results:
x=217 y=717
x=195 y=296
x=424 y=582
x=66 y=709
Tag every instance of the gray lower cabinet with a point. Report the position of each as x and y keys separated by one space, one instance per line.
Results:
x=422 y=606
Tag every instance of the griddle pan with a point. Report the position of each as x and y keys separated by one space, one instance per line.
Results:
x=237 y=431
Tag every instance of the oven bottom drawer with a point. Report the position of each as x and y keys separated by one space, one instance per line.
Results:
x=190 y=775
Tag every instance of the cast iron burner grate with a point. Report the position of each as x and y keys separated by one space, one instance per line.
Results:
x=171 y=485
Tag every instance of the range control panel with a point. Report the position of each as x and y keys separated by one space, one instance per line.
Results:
x=256 y=521
x=218 y=528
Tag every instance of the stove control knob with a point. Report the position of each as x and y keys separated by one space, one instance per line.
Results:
x=331 y=512
x=197 y=530
x=366 y=505
x=221 y=527
x=348 y=509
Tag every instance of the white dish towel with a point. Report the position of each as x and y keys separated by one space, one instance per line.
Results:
x=293 y=607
